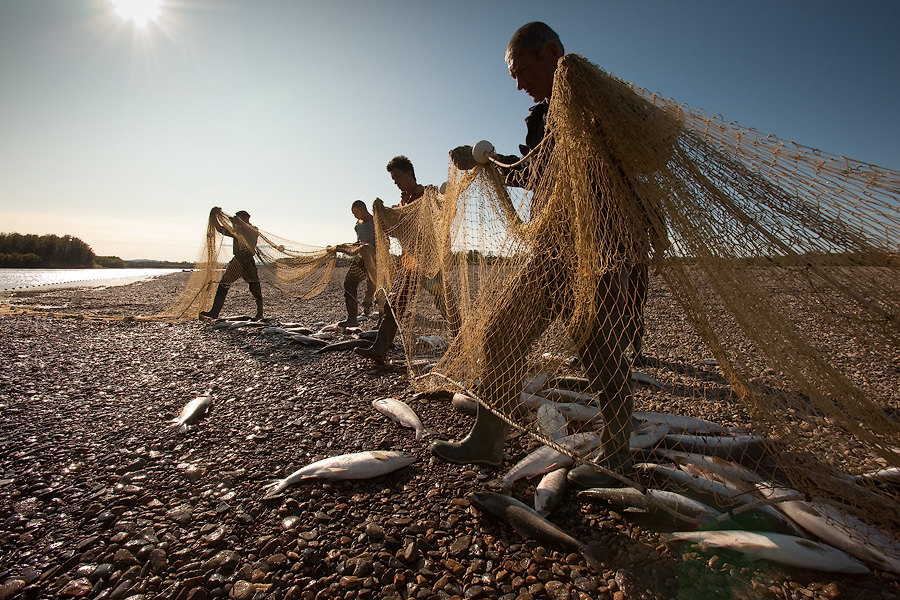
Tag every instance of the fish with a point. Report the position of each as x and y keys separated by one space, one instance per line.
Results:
x=308 y=340
x=546 y=458
x=647 y=437
x=570 y=382
x=564 y=395
x=549 y=490
x=839 y=529
x=298 y=330
x=886 y=475
x=345 y=345
x=464 y=403
x=738 y=448
x=719 y=495
x=582 y=413
x=551 y=423
x=535 y=383
x=400 y=411
x=221 y=325
x=434 y=342
x=530 y=525
x=238 y=324
x=356 y=465
x=193 y=412
x=656 y=501
x=272 y=330
x=777 y=547
x=368 y=335
x=646 y=379
x=683 y=424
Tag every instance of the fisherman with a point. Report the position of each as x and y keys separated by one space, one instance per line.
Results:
x=243 y=265
x=410 y=275
x=549 y=283
x=362 y=267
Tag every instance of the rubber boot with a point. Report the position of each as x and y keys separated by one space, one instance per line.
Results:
x=386 y=332
x=352 y=311
x=218 y=301
x=257 y=293
x=482 y=446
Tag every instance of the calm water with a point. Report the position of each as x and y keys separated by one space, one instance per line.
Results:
x=12 y=279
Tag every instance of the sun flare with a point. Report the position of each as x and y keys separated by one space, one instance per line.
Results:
x=140 y=12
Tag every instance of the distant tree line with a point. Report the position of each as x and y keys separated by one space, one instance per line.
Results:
x=29 y=251
x=44 y=251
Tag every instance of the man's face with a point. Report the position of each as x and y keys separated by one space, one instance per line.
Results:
x=403 y=180
x=532 y=74
x=357 y=212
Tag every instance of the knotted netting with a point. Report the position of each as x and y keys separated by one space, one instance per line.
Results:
x=775 y=257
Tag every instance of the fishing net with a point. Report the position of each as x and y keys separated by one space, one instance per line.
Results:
x=297 y=270
x=777 y=256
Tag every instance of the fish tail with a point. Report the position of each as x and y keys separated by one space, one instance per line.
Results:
x=592 y=560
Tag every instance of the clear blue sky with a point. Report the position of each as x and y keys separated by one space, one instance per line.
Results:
x=126 y=136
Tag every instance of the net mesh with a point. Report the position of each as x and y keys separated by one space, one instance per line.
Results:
x=779 y=255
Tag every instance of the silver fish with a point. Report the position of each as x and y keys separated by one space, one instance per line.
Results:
x=646 y=379
x=738 y=448
x=551 y=422
x=676 y=505
x=308 y=340
x=549 y=490
x=839 y=529
x=344 y=345
x=464 y=403
x=535 y=383
x=433 y=342
x=564 y=395
x=530 y=525
x=400 y=411
x=785 y=549
x=193 y=411
x=357 y=465
x=270 y=330
x=546 y=458
x=683 y=424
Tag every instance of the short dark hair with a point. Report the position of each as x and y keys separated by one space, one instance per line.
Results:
x=359 y=205
x=243 y=213
x=533 y=37
x=402 y=163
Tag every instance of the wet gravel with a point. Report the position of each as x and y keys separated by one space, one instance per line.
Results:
x=101 y=498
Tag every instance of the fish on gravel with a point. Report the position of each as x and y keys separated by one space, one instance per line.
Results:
x=648 y=380
x=530 y=525
x=546 y=458
x=551 y=422
x=193 y=412
x=270 y=330
x=550 y=490
x=464 y=403
x=368 y=335
x=221 y=325
x=683 y=424
x=356 y=465
x=678 y=506
x=433 y=342
x=776 y=547
x=307 y=340
x=345 y=345
x=737 y=448
x=401 y=412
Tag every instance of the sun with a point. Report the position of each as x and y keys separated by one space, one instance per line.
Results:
x=141 y=12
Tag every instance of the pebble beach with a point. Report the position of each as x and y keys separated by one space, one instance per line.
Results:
x=100 y=497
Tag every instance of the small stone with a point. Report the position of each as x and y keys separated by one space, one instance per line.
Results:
x=124 y=558
x=460 y=546
x=77 y=588
x=242 y=590
x=181 y=515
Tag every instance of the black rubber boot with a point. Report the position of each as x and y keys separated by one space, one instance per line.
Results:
x=386 y=332
x=482 y=446
x=218 y=301
x=352 y=311
x=256 y=290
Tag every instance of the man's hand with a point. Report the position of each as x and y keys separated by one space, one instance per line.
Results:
x=462 y=157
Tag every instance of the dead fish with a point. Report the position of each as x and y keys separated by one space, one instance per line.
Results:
x=570 y=382
x=221 y=325
x=777 y=547
x=464 y=404
x=323 y=335
x=307 y=340
x=345 y=345
x=676 y=505
x=532 y=400
x=273 y=330
x=237 y=318
x=546 y=458
x=357 y=465
x=368 y=335
x=549 y=490
x=551 y=423
x=647 y=437
x=530 y=525
x=292 y=325
x=683 y=424
x=193 y=412
x=238 y=324
x=718 y=494
x=433 y=342
x=646 y=379
x=737 y=448
x=581 y=413
x=333 y=328
x=841 y=530
x=535 y=383
x=887 y=475
x=298 y=330
x=564 y=395
x=400 y=411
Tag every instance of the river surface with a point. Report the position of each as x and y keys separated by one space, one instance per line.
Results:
x=17 y=279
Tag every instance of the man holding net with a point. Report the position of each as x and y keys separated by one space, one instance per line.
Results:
x=243 y=265
x=363 y=252
x=577 y=271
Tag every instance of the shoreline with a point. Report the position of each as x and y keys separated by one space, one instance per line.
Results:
x=98 y=492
